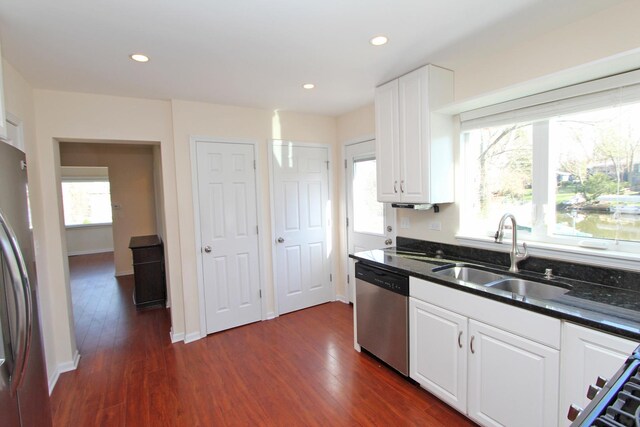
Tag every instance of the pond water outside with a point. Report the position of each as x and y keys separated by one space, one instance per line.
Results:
x=604 y=225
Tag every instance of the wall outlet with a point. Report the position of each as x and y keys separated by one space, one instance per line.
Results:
x=405 y=222
x=435 y=225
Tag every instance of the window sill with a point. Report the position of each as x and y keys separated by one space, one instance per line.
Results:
x=104 y=224
x=594 y=257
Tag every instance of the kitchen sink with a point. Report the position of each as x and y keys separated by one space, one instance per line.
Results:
x=528 y=288
x=504 y=282
x=468 y=274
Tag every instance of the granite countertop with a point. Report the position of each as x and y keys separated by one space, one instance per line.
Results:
x=602 y=307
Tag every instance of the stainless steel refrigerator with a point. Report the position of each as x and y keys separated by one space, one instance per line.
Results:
x=24 y=394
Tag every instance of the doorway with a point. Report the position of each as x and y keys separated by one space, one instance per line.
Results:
x=370 y=224
x=301 y=213
x=121 y=180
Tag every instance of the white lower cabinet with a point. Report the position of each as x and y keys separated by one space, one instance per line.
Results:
x=512 y=381
x=587 y=354
x=438 y=352
x=466 y=351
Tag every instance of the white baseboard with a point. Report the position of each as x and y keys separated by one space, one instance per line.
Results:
x=176 y=337
x=90 y=251
x=342 y=299
x=191 y=337
x=270 y=315
x=124 y=273
x=71 y=365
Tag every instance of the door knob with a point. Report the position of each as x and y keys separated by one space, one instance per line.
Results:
x=280 y=240
x=207 y=249
x=388 y=242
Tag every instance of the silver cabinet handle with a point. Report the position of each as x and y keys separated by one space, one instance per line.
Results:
x=395 y=186
x=22 y=300
x=207 y=249
x=388 y=242
x=402 y=186
x=471 y=344
x=280 y=240
x=460 y=339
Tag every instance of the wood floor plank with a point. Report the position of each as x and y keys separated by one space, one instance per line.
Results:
x=298 y=369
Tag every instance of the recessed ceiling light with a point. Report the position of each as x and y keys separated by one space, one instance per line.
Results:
x=379 y=40
x=308 y=85
x=138 y=57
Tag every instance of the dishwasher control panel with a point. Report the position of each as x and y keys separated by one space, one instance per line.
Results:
x=385 y=279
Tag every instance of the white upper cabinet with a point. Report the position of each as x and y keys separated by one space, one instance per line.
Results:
x=3 y=112
x=414 y=146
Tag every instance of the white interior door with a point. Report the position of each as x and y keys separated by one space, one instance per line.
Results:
x=301 y=225
x=229 y=234
x=370 y=224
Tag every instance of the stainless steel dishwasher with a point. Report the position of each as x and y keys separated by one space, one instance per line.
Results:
x=382 y=313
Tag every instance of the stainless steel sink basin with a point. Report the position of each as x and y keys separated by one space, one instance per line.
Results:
x=528 y=288
x=468 y=274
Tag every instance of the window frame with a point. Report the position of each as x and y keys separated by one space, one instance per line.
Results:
x=100 y=178
x=617 y=254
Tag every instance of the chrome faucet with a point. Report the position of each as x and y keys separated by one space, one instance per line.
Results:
x=515 y=254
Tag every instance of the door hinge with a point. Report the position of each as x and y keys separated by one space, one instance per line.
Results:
x=345 y=163
x=327 y=164
x=331 y=277
x=347 y=222
x=254 y=164
x=259 y=293
x=348 y=279
x=257 y=230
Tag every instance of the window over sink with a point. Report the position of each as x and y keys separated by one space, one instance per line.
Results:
x=569 y=170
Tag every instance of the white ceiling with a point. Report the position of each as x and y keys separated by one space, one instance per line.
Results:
x=258 y=53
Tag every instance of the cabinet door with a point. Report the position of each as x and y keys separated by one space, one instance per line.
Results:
x=414 y=140
x=387 y=139
x=438 y=352
x=512 y=381
x=587 y=354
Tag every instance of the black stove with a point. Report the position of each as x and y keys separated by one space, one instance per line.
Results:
x=617 y=403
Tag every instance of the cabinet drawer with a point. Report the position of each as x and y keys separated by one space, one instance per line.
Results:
x=148 y=254
x=527 y=324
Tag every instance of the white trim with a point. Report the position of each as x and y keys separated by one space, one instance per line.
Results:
x=593 y=257
x=271 y=315
x=342 y=299
x=92 y=225
x=90 y=251
x=596 y=92
x=361 y=139
x=193 y=336
x=193 y=141
x=598 y=69
x=176 y=337
x=63 y=367
x=330 y=195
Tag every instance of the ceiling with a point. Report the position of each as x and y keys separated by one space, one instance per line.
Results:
x=258 y=53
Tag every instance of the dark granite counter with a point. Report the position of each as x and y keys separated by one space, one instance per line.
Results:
x=614 y=309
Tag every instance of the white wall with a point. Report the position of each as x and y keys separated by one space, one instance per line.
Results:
x=89 y=239
x=604 y=34
x=218 y=121
x=84 y=117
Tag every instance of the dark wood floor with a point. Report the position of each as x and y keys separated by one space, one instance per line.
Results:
x=299 y=369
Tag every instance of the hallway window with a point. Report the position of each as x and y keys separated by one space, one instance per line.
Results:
x=86 y=202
